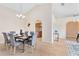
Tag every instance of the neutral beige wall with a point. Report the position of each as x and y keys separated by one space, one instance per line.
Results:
x=43 y=13
x=60 y=24
x=9 y=22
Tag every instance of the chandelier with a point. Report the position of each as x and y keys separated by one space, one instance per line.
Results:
x=20 y=14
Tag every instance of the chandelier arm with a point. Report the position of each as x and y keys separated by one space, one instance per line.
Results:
x=20 y=15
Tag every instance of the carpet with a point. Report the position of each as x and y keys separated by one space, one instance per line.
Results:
x=73 y=48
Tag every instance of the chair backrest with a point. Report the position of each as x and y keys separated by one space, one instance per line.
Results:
x=26 y=33
x=33 y=39
x=12 y=38
x=12 y=32
x=32 y=33
x=5 y=37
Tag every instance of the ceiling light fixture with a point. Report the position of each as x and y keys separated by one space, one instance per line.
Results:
x=20 y=15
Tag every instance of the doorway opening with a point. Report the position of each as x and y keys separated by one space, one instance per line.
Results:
x=38 y=30
x=72 y=28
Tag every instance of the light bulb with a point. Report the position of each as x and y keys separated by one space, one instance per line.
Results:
x=20 y=15
x=17 y=15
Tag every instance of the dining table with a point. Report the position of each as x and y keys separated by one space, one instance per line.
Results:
x=21 y=38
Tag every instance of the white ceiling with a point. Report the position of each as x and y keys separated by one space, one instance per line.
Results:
x=19 y=7
x=68 y=9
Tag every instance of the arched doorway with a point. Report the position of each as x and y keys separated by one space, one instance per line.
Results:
x=38 y=30
x=72 y=28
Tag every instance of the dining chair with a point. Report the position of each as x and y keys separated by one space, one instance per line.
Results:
x=28 y=41
x=31 y=38
x=6 y=38
x=13 y=43
x=12 y=32
x=32 y=41
x=26 y=33
x=32 y=33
